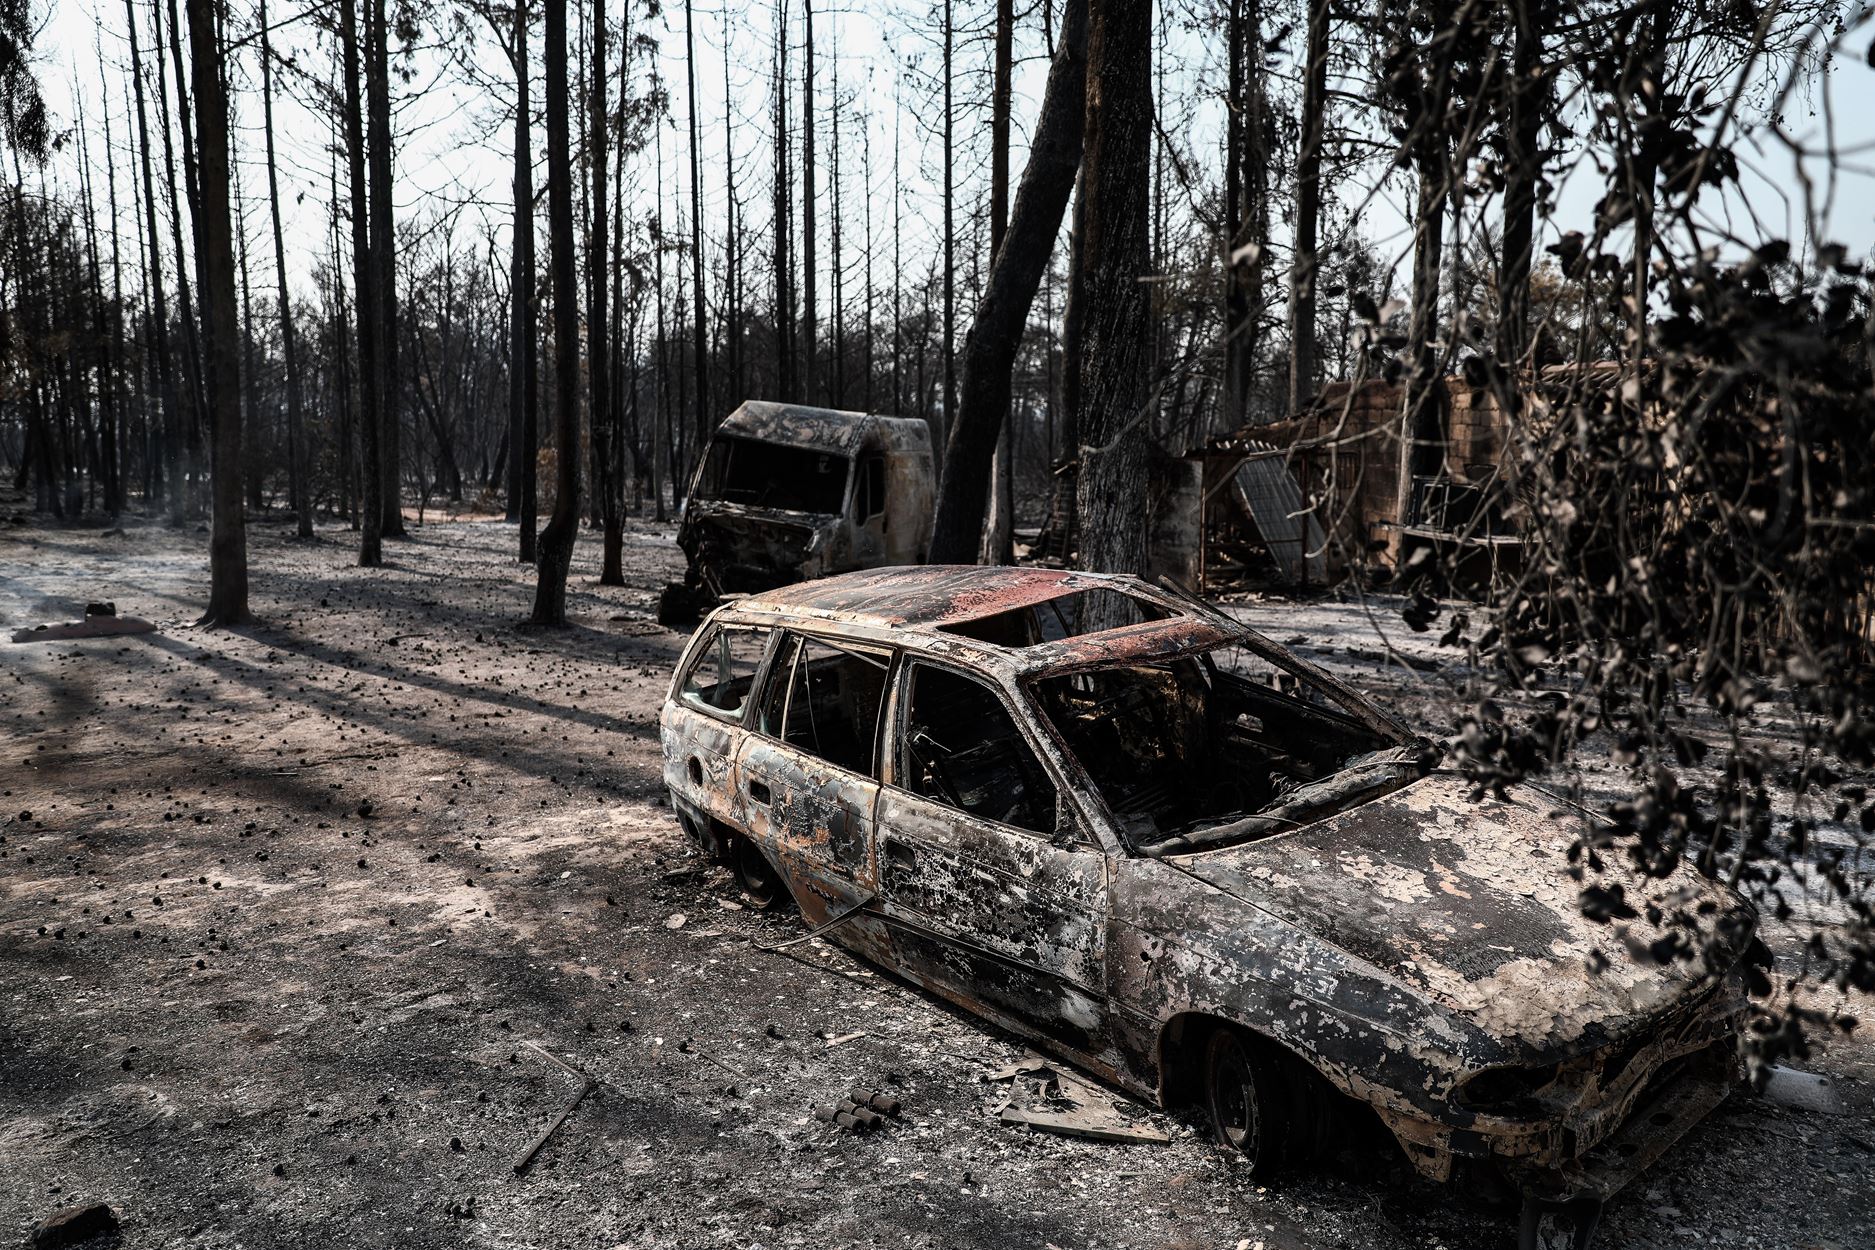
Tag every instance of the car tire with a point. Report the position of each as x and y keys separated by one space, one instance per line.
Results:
x=759 y=881
x=1244 y=1094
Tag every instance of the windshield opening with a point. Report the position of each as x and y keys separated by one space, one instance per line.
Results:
x=1218 y=747
x=774 y=475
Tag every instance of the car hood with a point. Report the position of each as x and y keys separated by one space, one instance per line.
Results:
x=1470 y=904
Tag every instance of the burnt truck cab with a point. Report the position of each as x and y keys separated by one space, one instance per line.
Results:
x=786 y=493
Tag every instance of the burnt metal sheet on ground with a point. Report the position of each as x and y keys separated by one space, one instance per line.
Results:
x=1267 y=491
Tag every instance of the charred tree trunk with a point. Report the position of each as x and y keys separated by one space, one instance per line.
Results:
x=1247 y=162
x=119 y=444
x=184 y=438
x=198 y=402
x=1015 y=275
x=998 y=546
x=699 y=329
x=250 y=372
x=1421 y=439
x=163 y=467
x=1306 y=264
x=949 y=413
x=785 y=385
x=732 y=266
x=384 y=265
x=1522 y=166
x=598 y=368
x=836 y=344
x=556 y=541
x=810 y=306
x=524 y=380
x=364 y=302
x=295 y=430
x=1116 y=347
x=227 y=544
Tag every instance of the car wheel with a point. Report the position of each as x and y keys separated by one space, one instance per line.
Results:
x=757 y=876
x=1249 y=1114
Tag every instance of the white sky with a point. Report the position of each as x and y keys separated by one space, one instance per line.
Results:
x=453 y=148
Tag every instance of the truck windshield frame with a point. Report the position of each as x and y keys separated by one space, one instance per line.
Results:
x=781 y=477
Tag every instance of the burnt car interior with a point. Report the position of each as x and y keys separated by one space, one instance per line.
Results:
x=773 y=475
x=825 y=700
x=1217 y=747
x=962 y=748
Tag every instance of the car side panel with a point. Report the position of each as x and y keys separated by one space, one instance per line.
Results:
x=699 y=762
x=815 y=821
x=996 y=915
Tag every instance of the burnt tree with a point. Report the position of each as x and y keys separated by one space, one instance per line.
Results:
x=996 y=335
x=598 y=370
x=214 y=237
x=296 y=468
x=364 y=301
x=1115 y=356
x=556 y=541
x=384 y=265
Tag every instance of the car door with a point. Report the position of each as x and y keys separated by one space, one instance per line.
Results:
x=988 y=905
x=809 y=772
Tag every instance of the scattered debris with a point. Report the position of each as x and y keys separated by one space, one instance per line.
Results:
x=861 y=1111
x=586 y=1086
x=100 y=625
x=1803 y=1091
x=690 y=1048
x=74 y=1225
x=1054 y=1100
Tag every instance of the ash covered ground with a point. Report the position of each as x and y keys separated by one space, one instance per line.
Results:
x=281 y=910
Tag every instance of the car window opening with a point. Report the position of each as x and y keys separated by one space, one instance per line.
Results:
x=1067 y=615
x=825 y=700
x=1220 y=747
x=724 y=670
x=774 y=475
x=962 y=748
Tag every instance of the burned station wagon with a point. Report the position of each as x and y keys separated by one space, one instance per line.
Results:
x=1116 y=821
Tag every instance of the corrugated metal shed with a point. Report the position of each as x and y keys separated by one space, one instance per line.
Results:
x=1266 y=490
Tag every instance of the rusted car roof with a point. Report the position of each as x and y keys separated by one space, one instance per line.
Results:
x=925 y=596
x=915 y=604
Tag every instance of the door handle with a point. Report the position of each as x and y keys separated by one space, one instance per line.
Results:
x=758 y=792
x=899 y=854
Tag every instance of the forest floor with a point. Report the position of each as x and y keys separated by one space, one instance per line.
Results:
x=280 y=910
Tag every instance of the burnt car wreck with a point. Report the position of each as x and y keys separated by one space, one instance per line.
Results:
x=1117 y=822
x=786 y=492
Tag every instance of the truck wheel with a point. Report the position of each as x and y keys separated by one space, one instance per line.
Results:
x=757 y=876
x=1248 y=1106
x=677 y=606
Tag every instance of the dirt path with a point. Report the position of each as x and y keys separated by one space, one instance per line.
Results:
x=279 y=911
